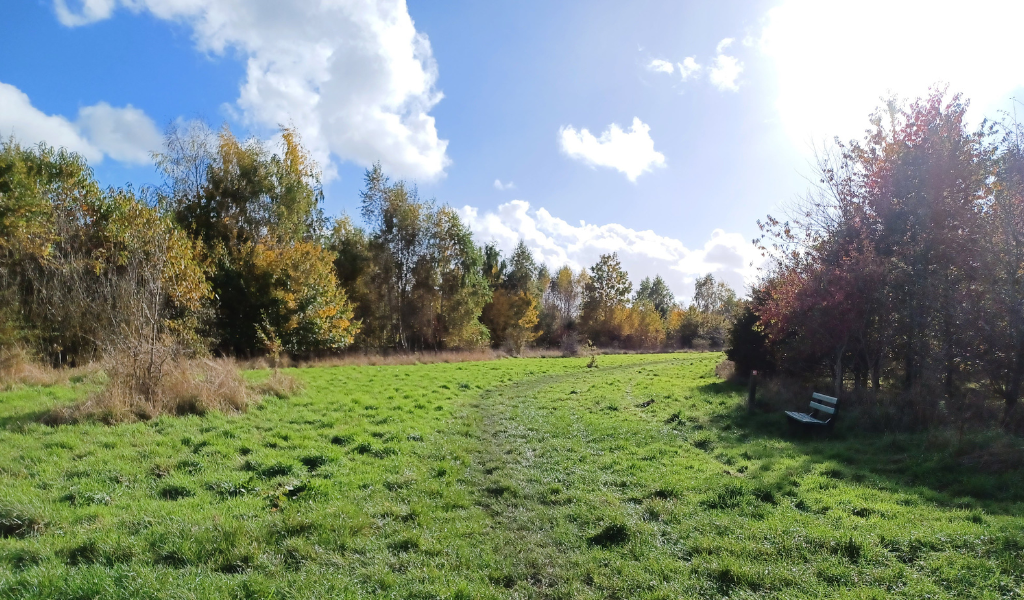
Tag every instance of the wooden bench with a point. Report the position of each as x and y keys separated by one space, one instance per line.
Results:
x=821 y=414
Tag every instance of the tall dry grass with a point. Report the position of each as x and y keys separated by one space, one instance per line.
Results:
x=185 y=387
x=17 y=367
x=278 y=385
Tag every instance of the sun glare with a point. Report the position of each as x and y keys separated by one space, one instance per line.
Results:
x=835 y=60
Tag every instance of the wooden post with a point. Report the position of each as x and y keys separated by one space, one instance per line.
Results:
x=751 y=391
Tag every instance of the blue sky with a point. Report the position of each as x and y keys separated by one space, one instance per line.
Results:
x=699 y=117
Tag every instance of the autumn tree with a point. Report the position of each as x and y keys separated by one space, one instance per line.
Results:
x=606 y=297
x=88 y=273
x=1000 y=312
x=256 y=215
x=882 y=262
x=706 y=319
x=563 y=301
x=513 y=314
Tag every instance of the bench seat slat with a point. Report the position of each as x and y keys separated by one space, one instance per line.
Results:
x=823 y=408
x=824 y=398
x=804 y=417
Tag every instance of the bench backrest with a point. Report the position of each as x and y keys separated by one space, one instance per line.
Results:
x=825 y=404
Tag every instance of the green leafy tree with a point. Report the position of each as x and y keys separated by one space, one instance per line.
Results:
x=513 y=315
x=607 y=292
x=521 y=275
x=494 y=266
x=451 y=289
x=656 y=292
x=400 y=229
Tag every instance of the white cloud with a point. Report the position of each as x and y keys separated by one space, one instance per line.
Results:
x=834 y=60
x=498 y=185
x=354 y=76
x=89 y=11
x=689 y=67
x=643 y=253
x=725 y=70
x=124 y=134
x=29 y=125
x=661 y=66
x=631 y=152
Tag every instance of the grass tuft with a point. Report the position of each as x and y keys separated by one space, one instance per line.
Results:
x=279 y=385
x=613 y=534
x=173 y=491
x=20 y=521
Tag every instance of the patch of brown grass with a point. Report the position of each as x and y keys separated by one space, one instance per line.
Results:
x=279 y=385
x=18 y=368
x=186 y=387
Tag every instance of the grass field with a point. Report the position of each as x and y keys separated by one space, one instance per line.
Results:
x=527 y=478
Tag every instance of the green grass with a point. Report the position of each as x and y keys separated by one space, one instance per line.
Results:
x=533 y=478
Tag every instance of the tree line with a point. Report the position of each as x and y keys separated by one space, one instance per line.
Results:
x=234 y=255
x=904 y=268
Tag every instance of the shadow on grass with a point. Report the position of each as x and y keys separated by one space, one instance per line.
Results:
x=23 y=419
x=935 y=466
x=722 y=387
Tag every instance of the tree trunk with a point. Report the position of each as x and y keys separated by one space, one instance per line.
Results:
x=1011 y=403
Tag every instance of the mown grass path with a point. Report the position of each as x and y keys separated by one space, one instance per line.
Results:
x=540 y=478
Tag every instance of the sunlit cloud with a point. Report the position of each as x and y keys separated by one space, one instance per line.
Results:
x=498 y=185
x=689 y=68
x=725 y=70
x=630 y=152
x=355 y=77
x=124 y=134
x=731 y=257
x=661 y=66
